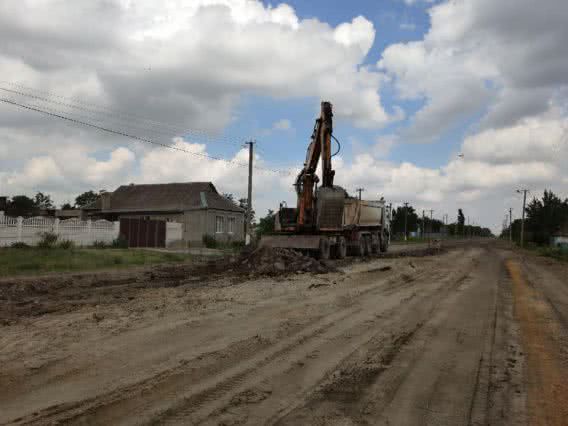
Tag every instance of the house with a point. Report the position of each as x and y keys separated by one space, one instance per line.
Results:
x=560 y=237
x=196 y=205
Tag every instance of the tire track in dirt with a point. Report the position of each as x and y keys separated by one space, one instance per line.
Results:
x=118 y=405
x=415 y=382
x=287 y=379
x=544 y=337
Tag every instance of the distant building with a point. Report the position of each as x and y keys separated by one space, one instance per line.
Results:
x=196 y=205
x=560 y=237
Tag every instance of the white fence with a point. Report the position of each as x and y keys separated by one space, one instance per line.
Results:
x=82 y=233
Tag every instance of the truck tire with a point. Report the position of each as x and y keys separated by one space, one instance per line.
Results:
x=384 y=243
x=324 y=249
x=358 y=247
x=366 y=245
x=341 y=248
x=375 y=243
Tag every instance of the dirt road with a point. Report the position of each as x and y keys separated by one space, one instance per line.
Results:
x=476 y=335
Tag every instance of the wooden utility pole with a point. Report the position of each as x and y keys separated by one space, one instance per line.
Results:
x=423 y=225
x=360 y=190
x=248 y=217
x=431 y=225
x=510 y=225
x=524 y=192
x=405 y=220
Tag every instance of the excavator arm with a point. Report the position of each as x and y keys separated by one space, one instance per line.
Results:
x=319 y=147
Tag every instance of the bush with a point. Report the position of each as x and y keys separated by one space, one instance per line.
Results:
x=209 y=241
x=99 y=244
x=19 y=245
x=120 y=242
x=66 y=245
x=47 y=240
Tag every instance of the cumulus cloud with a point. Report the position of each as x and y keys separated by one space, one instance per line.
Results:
x=507 y=57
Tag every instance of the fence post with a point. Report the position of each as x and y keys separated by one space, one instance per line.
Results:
x=116 y=230
x=56 y=226
x=20 y=226
x=89 y=232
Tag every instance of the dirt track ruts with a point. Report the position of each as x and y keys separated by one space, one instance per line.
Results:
x=432 y=340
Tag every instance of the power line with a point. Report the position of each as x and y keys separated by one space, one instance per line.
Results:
x=165 y=129
x=138 y=138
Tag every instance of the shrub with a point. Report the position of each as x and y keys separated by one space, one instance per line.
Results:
x=99 y=244
x=66 y=245
x=209 y=241
x=119 y=242
x=47 y=240
x=19 y=245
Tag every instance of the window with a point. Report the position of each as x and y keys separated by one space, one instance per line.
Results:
x=219 y=224
x=231 y=225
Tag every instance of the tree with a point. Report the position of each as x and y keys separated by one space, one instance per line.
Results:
x=87 y=198
x=544 y=217
x=43 y=201
x=265 y=224
x=243 y=204
x=230 y=197
x=67 y=206
x=21 y=205
x=397 y=223
x=461 y=222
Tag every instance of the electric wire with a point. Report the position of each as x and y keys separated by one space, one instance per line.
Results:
x=138 y=138
x=166 y=129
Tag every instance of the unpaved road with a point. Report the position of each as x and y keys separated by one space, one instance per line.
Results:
x=476 y=335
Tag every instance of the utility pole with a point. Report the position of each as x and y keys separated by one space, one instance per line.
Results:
x=248 y=218
x=423 y=225
x=431 y=226
x=405 y=219
x=360 y=190
x=510 y=225
x=524 y=192
x=468 y=229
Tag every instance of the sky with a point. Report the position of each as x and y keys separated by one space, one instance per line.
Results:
x=443 y=104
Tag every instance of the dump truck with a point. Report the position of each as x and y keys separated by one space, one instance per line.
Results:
x=327 y=221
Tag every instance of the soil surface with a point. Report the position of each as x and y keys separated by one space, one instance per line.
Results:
x=471 y=334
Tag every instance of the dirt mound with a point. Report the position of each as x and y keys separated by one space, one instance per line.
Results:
x=276 y=261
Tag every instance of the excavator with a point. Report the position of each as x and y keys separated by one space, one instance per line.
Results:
x=326 y=221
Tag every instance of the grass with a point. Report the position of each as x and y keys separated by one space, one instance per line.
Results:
x=32 y=261
x=555 y=253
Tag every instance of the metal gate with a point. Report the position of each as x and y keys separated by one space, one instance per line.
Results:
x=143 y=232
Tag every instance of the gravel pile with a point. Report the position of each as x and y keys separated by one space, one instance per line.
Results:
x=276 y=261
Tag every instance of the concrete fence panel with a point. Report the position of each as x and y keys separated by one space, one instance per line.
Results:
x=82 y=233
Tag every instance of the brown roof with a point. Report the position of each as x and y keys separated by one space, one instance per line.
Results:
x=169 y=197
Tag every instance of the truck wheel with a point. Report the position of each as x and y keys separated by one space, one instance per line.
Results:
x=358 y=247
x=375 y=243
x=341 y=248
x=366 y=245
x=384 y=243
x=324 y=249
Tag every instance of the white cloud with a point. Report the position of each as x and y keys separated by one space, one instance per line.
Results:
x=508 y=56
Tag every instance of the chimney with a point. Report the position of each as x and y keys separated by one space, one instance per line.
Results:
x=105 y=201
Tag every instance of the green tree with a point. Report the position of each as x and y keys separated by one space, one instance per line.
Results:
x=397 y=224
x=21 y=205
x=87 y=198
x=544 y=217
x=461 y=222
x=67 y=206
x=243 y=204
x=43 y=201
x=265 y=224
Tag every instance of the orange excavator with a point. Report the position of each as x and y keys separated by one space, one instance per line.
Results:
x=327 y=221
